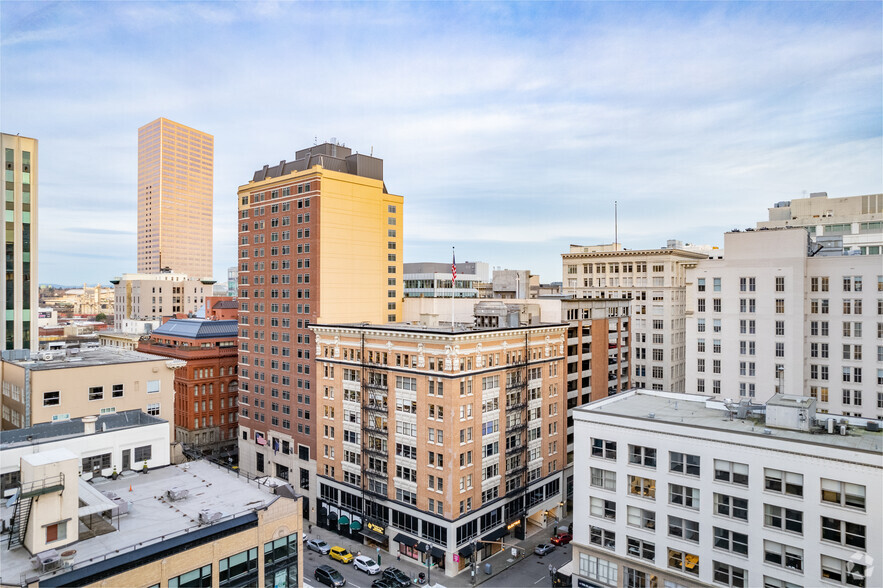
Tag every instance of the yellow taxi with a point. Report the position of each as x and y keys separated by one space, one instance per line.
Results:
x=341 y=554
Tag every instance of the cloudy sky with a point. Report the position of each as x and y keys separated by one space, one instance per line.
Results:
x=509 y=128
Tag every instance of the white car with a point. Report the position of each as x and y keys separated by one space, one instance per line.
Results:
x=366 y=564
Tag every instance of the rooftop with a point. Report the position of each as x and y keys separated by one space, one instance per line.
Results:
x=442 y=329
x=692 y=412
x=57 y=430
x=198 y=328
x=86 y=357
x=152 y=518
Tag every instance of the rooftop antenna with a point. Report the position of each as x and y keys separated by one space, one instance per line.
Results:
x=615 y=224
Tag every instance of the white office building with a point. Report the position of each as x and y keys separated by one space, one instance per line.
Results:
x=771 y=311
x=677 y=490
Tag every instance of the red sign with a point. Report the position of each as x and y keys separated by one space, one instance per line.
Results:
x=456 y=558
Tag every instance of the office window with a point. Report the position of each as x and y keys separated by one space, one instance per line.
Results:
x=644 y=487
x=602 y=537
x=640 y=548
x=843 y=532
x=843 y=572
x=732 y=472
x=786 y=556
x=683 y=496
x=198 y=578
x=645 y=456
x=599 y=570
x=683 y=528
x=731 y=506
x=783 y=482
x=96 y=393
x=638 y=517
x=603 y=479
x=729 y=540
x=598 y=507
x=117 y=391
x=604 y=449
x=684 y=463
x=681 y=560
x=730 y=575
x=786 y=519
x=51 y=398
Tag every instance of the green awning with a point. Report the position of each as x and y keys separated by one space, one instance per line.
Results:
x=343 y=520
x=355 y=525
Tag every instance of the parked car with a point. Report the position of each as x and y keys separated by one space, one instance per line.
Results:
x=341 y=554
x=381 y=583
x=562 y=539
x=544 y=548
x=318 y=546
x=366 y=564
x=396 y=577
x=329 y=576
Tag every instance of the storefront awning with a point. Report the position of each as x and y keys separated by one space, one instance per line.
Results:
x=436 y=552
x=343 y=520
x=423 y=547
x=466 y=550
x=356 y=525
x=496 y=535
x=401 y=538
x=375 y=537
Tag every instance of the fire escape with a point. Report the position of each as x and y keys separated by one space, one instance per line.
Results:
x=516 y=440
x=26 y=495
x=375 y=439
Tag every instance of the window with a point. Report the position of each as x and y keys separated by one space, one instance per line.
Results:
x=645 y=456
x=644 y=487
x=605 y=449
x=780 y=283
x=783 y=518
x=56 y=532
x=232 y=570
x=117 y=391
x=843 y=532
x=638 y=517
x=598 y=507
x=783 y=482
x=198 y=578
x=599 y=570
x=51 y=398
x=729 y=575
x=683 y=528
x=602 y=537
x=783 y=555
x=96 y=462
x=684 y=464
x=153 y=409
x=700 y=284
x=152 y=386
x=843 y=494
x=843 y=572
x=730 y=541
x=728 y=471
x=681 y=560
x=731 y=506
x=640 y=548
x=603 y=479
x=96 y=392
x=683 y=496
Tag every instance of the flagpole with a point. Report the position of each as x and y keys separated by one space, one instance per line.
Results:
x=453 y=283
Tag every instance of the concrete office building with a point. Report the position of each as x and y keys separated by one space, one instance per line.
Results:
x=206 y=388
x=175 y=199
x=320 y=240
x=60 y=386
x=433 y=280
x=853 y=224
x=771 y=311
x=684 y=490
x=431 y=439
x=142 y=300
x=191 y=525
x=654 y=279
x=20 y=296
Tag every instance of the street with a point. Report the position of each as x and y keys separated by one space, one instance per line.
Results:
x=532 y=571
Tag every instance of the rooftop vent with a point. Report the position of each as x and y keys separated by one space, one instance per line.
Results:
x=177 y=493
x=208 y=516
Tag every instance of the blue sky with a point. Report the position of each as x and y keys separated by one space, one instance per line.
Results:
x=509 y=128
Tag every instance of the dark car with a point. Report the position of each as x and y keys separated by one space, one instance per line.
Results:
x=562 y=539
x=381 y=583
x=396 y=578
x=329 y=576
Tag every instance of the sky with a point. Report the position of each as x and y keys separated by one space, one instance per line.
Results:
x=509 y=128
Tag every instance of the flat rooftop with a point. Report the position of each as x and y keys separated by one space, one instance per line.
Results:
x=92 y=356
x=58 y=430
x=442 y=329
x=152 y=517
x=696 y=412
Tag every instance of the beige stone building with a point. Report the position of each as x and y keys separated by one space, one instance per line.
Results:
x=55 y=386
x=142 y=300
x=192 y=525
x=436 y=441
x=18 y=329
x=86 y=300
x=175 y=199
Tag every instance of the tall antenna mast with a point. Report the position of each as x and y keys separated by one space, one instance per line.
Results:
x=615 y=225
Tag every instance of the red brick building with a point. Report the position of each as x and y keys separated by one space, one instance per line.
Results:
x=206 y=388
x=221 y=308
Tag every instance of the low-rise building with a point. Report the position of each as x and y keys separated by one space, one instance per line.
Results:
x=142 y=300
x=206 y=388
x=433 y=280
x=197 y=524
x=685 y=490
x=434 y=439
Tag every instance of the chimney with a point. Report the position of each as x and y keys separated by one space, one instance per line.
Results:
x=89 y=424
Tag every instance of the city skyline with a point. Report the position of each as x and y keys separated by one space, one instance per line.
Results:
x=510 y=128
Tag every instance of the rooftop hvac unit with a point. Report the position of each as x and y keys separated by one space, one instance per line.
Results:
x=873 y=426
x=207 y=516
x=177 y=493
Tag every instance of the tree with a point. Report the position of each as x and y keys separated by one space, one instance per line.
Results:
x=101 y=317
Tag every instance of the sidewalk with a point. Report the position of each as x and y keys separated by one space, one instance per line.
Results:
x=500 y=562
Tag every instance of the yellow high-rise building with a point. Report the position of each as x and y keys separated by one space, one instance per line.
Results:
x=175 y=199
x=320 y=240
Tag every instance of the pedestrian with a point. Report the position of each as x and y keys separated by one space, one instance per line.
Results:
x=550 y=570
x=399 y=557
x=554 y=571
x=311 y=527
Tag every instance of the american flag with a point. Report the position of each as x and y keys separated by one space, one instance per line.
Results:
x=454 y=268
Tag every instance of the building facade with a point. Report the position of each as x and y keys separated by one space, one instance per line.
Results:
x=681 y=490
x=20 y=296
x=772 y=313
x=320 y=239
x=654 y=279
x=175 y=199
x=853 y=224
x=433 y=280
x=142 y=300
x=432 y=440
x=206 y=388
x=59 y=386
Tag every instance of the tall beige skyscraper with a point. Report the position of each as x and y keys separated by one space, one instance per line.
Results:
x=19 y=298
x=175 y=198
